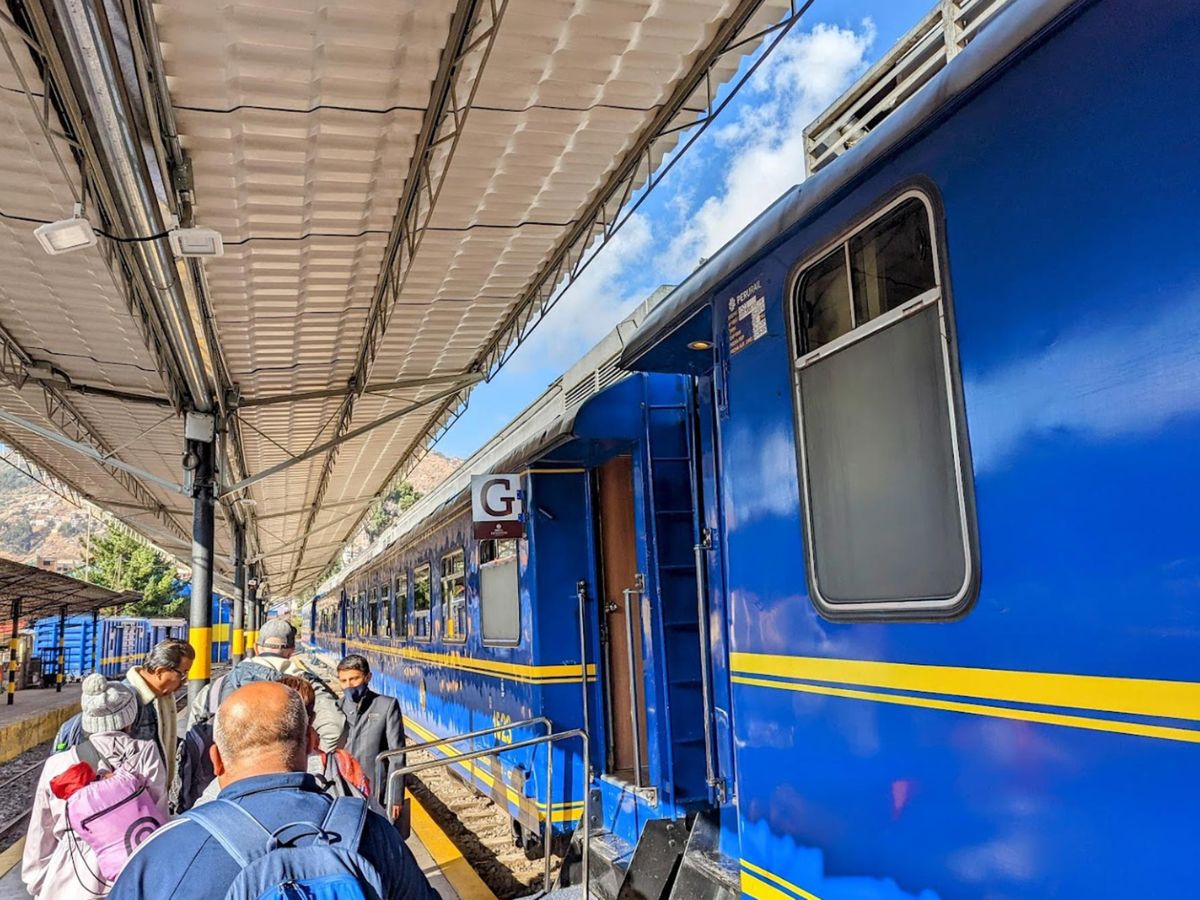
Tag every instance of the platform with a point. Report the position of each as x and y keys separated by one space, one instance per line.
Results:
x=449 y=873
x=34 y=718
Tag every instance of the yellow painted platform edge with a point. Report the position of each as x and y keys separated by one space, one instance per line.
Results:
x=448 y=858
x=23 y=734
x=11 y=858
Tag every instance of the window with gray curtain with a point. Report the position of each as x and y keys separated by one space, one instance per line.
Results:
x=882 y=473
x=499 y=592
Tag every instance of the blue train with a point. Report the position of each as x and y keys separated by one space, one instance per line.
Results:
x=896 y=508
x=112 y=644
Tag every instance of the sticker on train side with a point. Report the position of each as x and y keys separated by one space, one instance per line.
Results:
x=747 y=317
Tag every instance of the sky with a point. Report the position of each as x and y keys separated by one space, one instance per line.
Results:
x=750 y=155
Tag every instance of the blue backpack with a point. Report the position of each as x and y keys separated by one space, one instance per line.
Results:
x=275 y=868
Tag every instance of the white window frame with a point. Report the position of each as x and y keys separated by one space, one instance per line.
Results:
x=450 y=605
x=424 y=615
x=516 y=557
x=934 y=297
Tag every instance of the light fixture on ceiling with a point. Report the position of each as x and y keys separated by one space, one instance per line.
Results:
x=700 y=345
x=66 y=235
x=188 y=242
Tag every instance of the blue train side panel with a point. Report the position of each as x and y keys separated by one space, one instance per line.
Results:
x=964 y=758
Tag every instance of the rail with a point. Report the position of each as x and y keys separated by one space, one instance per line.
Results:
x=382 y=758
x=711 y=764
x=633 y=691
x=397 y=775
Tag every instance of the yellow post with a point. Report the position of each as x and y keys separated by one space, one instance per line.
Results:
x=238 y=645
x=201 y=640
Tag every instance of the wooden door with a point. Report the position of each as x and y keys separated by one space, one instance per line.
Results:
x=619 y=568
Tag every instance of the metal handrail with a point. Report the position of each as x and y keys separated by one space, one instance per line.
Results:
x=454 y=739
x=715 y=783
x=633 y=687
x=548 y=830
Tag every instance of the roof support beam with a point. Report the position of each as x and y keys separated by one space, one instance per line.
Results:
x=334 y=444
x=77 y=432
x=473 y=30
x=88 y=451
x=381 y=388
x=359 y=501
x=78 y=40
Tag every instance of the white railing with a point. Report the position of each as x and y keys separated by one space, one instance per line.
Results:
x=914 y=60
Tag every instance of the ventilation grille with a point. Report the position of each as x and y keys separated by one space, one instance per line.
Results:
x=593 y=382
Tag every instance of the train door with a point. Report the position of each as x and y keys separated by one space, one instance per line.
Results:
x=623 y=662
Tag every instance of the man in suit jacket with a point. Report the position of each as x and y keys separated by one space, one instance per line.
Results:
x=374 y=723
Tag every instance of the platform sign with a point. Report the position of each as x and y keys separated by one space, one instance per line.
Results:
x=497 y=507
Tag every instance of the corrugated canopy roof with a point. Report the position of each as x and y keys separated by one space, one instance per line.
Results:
x=401 y=186
x=43 y=593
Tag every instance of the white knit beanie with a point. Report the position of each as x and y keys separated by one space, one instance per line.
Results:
x=107 y=705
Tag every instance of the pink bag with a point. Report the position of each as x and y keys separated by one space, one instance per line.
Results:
x=113 y=815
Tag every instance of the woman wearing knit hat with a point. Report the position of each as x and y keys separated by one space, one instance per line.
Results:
x=69 y=853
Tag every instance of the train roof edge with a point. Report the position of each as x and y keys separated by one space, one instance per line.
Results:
x=1014 y=27
x=543 y=423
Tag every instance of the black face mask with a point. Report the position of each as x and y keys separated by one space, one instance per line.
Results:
x=356 y=693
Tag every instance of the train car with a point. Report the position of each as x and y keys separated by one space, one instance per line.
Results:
x=81 y=641
x=470 y=634
x=163 y=629
x=222 y=628
x=948 y=394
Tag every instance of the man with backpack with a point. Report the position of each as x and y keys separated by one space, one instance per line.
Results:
x=271 y=833
x=273 y=659
x=94 y=802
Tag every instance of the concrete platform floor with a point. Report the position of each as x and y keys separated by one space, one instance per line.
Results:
x=34 y=718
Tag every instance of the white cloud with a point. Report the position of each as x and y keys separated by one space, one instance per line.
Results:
x=591 y=307
x=765 y=143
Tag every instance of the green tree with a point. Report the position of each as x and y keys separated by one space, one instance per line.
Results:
x=388 y=510
x=120 y=562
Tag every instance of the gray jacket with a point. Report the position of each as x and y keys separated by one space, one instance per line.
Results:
x=375 y=725
x=328 y=719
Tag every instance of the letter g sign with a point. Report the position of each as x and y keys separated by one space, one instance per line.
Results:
x=496 y=506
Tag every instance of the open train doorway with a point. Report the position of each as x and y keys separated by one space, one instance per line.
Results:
x=623 y=669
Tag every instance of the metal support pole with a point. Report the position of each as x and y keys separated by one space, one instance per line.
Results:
x=13 y=646
x=629 y=593
x=200 y=618
x=62 y=648
x=237 y=638
x=95 y=637
x=253 y=619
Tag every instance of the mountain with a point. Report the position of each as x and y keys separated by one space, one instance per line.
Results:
x=37 y=524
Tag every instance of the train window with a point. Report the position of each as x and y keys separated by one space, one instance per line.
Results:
x=373 y=612
x=422 y=601
x=886 y=516
x=454 y=597
x=400 y=592
x=499 y=592
x=823 y=308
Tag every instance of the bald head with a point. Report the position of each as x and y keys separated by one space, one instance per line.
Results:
x=260 y=728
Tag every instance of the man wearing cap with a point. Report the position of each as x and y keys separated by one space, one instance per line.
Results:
x=273 y=658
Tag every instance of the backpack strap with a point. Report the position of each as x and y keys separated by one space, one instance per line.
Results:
x=87 y=752
x=214 y=695
x=346 y=818
x=239 y=833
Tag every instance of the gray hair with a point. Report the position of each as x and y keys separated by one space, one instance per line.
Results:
x=169 y=654
x=248 y=733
